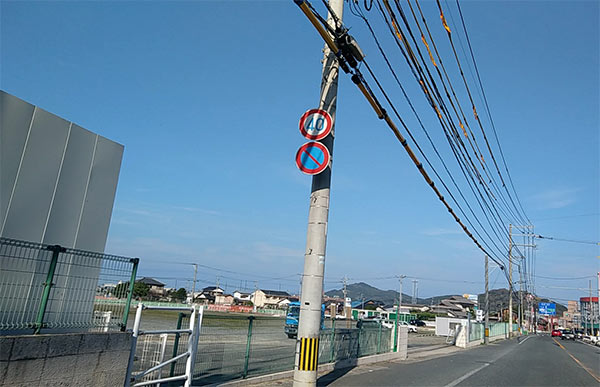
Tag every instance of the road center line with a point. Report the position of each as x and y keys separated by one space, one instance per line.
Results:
x=465 y=376
x=578 y=362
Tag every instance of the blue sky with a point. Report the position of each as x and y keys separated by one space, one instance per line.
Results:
x=206 y=97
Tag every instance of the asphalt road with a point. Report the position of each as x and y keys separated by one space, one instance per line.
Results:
x=533 y=361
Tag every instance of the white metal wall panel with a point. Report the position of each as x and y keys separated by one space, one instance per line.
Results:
x=15 y=117
x=70 y=191
x=30 y=203
x=57 y=179
x=100 y=195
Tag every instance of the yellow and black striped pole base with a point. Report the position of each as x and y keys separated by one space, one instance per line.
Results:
x=309 y=353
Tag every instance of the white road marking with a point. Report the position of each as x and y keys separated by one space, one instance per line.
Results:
x=528 y=337
x=465 y=376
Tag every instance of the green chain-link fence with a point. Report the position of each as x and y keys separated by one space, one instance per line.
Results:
x=240 y=346
x=47 y=288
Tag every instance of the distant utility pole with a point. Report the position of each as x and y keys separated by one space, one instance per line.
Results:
x=521 y=297
x=254 y=297
x=486 y=335
x=309 y=324
x=417 y=293
x=346 y=309
x=510 y=283
x=415 y=299
x=591 y=311
x=194 y=285
x=400 y=278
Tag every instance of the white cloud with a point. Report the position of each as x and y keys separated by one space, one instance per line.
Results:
x=441 y=231
x=555 y=198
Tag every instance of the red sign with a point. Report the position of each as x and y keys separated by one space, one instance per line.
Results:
x=312 y=158
x=315 y=124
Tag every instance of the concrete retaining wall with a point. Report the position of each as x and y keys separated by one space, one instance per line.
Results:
x=74 y=359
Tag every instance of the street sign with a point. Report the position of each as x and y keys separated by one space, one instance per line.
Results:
x=547 y=308
x=479 y=315
x=312 y=158
x=315 y=124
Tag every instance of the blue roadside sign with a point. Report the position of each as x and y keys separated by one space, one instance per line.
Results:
x=547 y=308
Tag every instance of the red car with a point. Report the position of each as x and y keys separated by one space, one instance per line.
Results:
x=556 y=333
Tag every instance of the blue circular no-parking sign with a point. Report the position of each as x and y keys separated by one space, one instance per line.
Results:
x=312 y=158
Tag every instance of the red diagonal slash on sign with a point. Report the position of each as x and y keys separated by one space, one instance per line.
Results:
x=301 y=159
x=312 y=158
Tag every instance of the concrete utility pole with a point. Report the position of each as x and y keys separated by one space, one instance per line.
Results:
x=400 y=278
x=345 y=294
x=254 y=297
x=194 y=285
x=400 y=294
x=510 y=281
x=521 y=298
x=309 y=324
x=486 y=336
x=417 y=293
x=414 y=292
x=348 y=308
x=590 y=311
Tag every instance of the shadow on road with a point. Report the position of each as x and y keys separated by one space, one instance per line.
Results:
x=341 y=368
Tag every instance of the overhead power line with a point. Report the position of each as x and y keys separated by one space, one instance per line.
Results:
x=565 y=278
x=568 y=240
x=489 y=112
x=349 y=62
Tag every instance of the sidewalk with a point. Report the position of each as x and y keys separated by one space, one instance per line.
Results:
x=366 y=364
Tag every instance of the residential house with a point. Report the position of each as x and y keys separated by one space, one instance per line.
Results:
x=156 y=288
x=270 y=299
x=241 y=297
x=455 y=306
x=224 y=299
x=209 y=294
x=367 y=304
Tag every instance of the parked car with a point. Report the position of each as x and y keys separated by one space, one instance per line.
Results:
x=590 y=339
x=374 y=322
x=417 y=323
x=556 y=333
x=411 y=328
x=579 y=334
x=567 y=334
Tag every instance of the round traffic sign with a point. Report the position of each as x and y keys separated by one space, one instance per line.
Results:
x=315 y=124
x=312 y=158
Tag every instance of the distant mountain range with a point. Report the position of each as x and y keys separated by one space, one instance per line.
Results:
x=360 y=290
x=498 y=297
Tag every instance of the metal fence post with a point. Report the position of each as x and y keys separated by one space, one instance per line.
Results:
x=332 y=357
x=396 y=332
x=176 y=342
x=39 y=322
x=247 y=358
x=358 y=342
x=135 y=262
x=379 y=339
x=136 y=330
